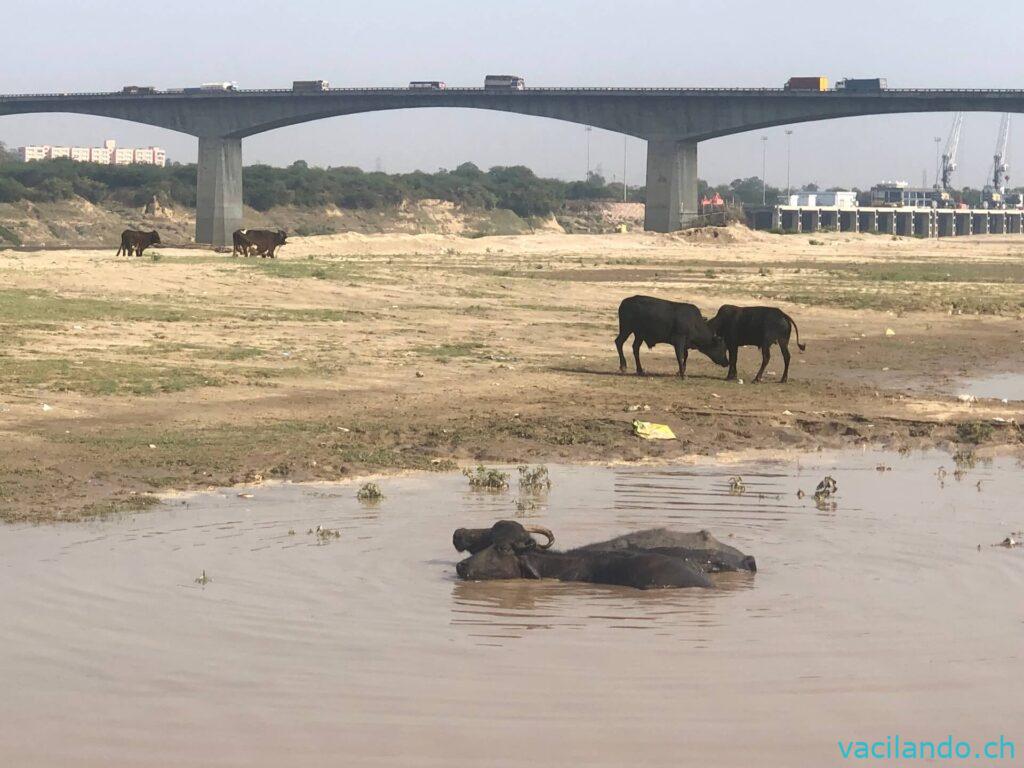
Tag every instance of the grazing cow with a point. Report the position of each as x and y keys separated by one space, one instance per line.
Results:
x=755 y=327
x=511 y=556
x=262 y=242
x=657 y=321
x=135 y=242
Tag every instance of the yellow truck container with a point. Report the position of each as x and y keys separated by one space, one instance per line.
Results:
x=807 y=84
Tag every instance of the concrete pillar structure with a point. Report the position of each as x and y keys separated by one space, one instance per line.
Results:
x=671 y=185
x=867 y=221
x=777 y=218
x=924 y=223
x=791 y=220
x=945 y=223
x=218 y=190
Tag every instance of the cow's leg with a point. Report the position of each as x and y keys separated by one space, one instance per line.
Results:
x=636 y=354
x=785 y=356
x=619 y=341
x=733 y=353
x=681 y=354
x=766 y=355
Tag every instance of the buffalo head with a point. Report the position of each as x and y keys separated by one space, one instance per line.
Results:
x=508 y=532
x=716 y=350
x=497 y=551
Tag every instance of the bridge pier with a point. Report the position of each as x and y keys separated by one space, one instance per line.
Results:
x=218 y=190
x=671 y=185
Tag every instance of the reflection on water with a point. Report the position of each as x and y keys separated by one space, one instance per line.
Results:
x=999 y=386
x=878 y=616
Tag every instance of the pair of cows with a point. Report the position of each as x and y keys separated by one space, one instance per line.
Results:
x=650 y=559
x=248 y=242
x=653 y=321
x=257 y=242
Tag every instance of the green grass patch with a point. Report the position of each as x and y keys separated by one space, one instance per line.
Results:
x=99 y=377
x=448 y=351
x=25 y=307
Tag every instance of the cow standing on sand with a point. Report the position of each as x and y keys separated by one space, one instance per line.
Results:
x=656 y=321
x=134 y=242
x=755 y=327
x=260 y=242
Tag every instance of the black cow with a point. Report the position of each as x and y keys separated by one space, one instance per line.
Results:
x=512 y=556
x=657 y=321
x=755 y=327
x=240 y=244
x=135 y=241
x=262 y=242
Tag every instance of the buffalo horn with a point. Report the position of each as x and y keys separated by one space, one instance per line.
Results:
x=543 y=532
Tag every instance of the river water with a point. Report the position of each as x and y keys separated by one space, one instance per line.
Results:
x=873 y=617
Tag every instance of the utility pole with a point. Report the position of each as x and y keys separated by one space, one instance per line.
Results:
x=764 y=170
x=588 y=129
x=789 y=187
x=625 y=146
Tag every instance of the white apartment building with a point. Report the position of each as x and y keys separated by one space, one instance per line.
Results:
x=109 y=153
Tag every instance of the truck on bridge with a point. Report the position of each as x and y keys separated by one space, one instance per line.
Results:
x=806 y=84
x=504 y=83
x=862 y=84
x=309 y=86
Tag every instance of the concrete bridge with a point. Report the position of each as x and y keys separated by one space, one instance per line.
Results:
x=673 y=121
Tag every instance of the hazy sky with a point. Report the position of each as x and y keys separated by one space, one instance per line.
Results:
x=100 y=45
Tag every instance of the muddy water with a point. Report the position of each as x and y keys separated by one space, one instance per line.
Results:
x=1001 y=386
x=875 y=618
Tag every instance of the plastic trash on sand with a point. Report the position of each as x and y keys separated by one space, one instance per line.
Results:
x=648 y=430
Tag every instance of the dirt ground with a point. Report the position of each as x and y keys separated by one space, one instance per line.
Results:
x=358 y=354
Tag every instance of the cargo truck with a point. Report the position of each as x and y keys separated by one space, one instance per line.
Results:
x=862 y=84
x=806 y=84
x=138 y=90
x=504 y=82
x=309 y=86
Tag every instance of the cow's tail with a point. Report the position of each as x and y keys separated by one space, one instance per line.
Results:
x=793 y=323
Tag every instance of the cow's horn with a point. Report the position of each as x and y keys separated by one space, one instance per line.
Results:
x=543 y=532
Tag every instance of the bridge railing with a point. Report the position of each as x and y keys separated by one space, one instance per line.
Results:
x=476 y=90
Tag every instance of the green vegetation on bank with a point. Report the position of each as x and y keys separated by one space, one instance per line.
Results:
x=515 y=188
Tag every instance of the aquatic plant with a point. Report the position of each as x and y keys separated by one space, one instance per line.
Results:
x=369 y=492
x=535 y=478
x=486 y=478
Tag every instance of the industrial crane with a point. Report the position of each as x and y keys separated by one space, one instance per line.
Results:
x=949 y=156
x=993 y=194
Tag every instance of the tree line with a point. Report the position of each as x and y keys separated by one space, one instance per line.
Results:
x=516 y=188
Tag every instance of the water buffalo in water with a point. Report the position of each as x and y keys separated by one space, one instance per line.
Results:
x=625 y=561
x=755 y=327
x=259 y=242
x=503 y=532
x=656 y=321
x=134 y=241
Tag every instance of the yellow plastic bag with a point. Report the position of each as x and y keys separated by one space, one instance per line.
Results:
x=648 y=430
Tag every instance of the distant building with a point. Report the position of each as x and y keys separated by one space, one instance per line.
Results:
x=109 y=153
x=834 y=199
x=899 y=193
